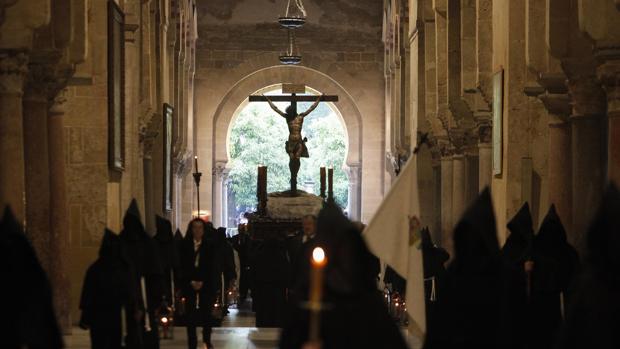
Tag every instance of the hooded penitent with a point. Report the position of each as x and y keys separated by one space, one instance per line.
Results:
x=470 y=310
x=355 y=315
x=143 y=254
x=28 y=320
x=169 y=254
x=516 y=252
x=109 y=288
x=434 y=259
x=593 y=316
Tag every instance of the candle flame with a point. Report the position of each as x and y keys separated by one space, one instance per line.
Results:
x=164 y=320
x=318 y=256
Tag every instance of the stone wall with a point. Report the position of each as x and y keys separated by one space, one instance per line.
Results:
x=558 y=71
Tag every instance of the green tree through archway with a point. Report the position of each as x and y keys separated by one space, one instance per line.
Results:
x=258 y=136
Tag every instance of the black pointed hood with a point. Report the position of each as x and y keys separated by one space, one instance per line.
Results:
x=604 y=234
x=551 y=234
x=475 y=236
x=427 y=240
x=110 y=246
x=518 y=246
x=177 y=235
x=32 y=322
x=164 y=230
x=132 y=223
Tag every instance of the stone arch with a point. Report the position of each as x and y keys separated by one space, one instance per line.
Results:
x=236 y=97
x=270 y=76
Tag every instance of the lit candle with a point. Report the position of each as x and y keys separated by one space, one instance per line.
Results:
x=319 y=261
x=196 y=163
x=322 y=181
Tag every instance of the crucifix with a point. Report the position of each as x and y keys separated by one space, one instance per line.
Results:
x=296 y=145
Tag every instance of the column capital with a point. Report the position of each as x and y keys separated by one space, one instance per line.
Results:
x=13 y=70
x=58 y=103
x=557 y=104
x=588 y=97
x=220 y=171
x=354 y=172
x=485 y=133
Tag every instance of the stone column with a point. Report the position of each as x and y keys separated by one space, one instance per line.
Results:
x=218 y=183
x=225 y=184
x=354 y=208
x=13 y=68
x=587 y=154
x=609 y=74
x=560 y=169
x=147 y=138
x=59 y=223
x=446 y=202
x=37 y=171
x=485 y=157
x=459 y=187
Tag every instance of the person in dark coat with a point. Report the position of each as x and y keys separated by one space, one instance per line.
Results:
x=201 y=280
x=593 y=316
x=354 y=315
x=433 y=260
x=518 y=259
x=143 y=254
x=241 y=244
x=229 y=272
x=28 y=319
x=107 y=293
x=269 y=283
x=470 y=311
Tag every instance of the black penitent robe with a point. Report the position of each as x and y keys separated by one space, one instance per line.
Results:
x=433 y=258
x=555 y=265
x=169 y=255
x=593 y=316
x=143 y=254
x=270 y=277
x=355 y=315
x=470 y=310
x=517 y=250
x=28 y=319
x=108 y=289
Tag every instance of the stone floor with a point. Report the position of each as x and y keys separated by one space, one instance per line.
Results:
x=237 y=332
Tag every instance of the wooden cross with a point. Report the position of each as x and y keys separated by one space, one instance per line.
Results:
x=295 y=146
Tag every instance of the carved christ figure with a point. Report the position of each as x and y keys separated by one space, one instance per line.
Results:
x=295 y=146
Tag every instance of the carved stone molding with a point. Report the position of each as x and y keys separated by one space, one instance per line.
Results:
x=588 y=97
x=220 y=171
x=148 y=134
x=13 y=70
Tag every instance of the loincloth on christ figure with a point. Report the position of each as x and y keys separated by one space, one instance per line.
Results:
x=297 y=147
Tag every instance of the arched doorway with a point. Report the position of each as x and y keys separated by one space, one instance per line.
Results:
x=257 y=136
x=267 y=78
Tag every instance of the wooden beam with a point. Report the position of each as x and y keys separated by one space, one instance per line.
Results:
x=293 y=98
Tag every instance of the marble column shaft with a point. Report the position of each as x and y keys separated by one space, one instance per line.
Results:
x=59 y=224
x=560 y=170
x=13 y=68
x=459 y=187
x=485 y=165
x=446 y=203
x=37 y=174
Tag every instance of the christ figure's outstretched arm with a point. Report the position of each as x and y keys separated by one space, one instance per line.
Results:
x=311 y=109
x=273 y=106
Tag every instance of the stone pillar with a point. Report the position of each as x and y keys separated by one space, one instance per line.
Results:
x=13 y=68
x=37 y=171
x=225 y=184
x=446 y=202
x=459 y=187
x=587 y=154
x=609 y=74
x=218 y=183
x=485 y=158
x=354 y=203
x=560 y=169
x=59 y=223
x=147 y=138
